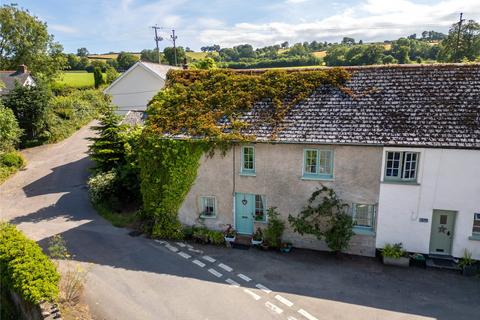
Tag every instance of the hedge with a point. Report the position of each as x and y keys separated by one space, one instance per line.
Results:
x=24 y=268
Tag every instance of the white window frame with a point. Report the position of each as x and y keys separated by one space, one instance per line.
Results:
x=247 y=171
x=321 y=161
x=372 y=210
x=402 y=166
x=202 y=202
x=476 y=217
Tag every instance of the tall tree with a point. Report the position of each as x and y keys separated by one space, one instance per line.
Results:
x=462 y=42
x=82 y=52
x=169 y=55
x=125 y=60
x=24 y=39
x=98 y=77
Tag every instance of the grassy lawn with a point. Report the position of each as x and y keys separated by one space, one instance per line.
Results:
x=74 y=79
x=118 y=219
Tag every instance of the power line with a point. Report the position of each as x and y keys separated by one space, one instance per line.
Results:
x=157 y=40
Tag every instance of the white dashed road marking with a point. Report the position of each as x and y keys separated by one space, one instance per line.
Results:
x=199 y=263
x=194 y=250
x=225 y=267
x=232 y=282
x=252 y=294
x=263 y=288
x=244 y=277
x=160 y=241
x=284 y=300
x=215 y=272
x=273 y=307
x=181 y=244
x=185 y=255
x=306 y=315
x=209 y=259
x=171 y=248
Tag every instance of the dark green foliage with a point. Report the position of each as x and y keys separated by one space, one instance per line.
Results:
x=98 y=77
x=327 y=220
x=10 y=162
x=125 y=60
x=150 y=55
x=10 y=132
x=168 y=169
x=30 y=105
x=280 y=62
x=274 y=230
x=468 y=41
x=169 y=55
x=203 y=235
x=25 y=268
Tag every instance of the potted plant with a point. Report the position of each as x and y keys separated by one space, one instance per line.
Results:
x=395 y=255
x=285 y=247
x=257 y=237
x=467 y=264
x=230 y=234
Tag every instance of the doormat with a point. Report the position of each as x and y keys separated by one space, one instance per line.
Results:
x=240 y=246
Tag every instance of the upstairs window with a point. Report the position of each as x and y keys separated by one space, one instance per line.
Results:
x=363 y=215
x=401 y=166
x=248 y=160
x=476 y=224
x=208 y=207
x=318 y=164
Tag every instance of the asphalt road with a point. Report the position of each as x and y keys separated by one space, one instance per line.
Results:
x=139 y=278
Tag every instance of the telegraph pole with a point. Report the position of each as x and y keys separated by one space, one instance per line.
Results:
x=457 y=48
x=157 y=40
x=174 y=38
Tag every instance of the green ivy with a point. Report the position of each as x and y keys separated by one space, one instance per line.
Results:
x=168 y=169
x=24 y=268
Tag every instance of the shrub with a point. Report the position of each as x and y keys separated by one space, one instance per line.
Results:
x=10 y=132
x=216 y=237
x=274 y=230
x=24 y=268
x=102 y=185
x=393 y=251
x=12 y=159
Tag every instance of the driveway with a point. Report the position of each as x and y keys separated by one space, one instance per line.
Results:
x=139 y=278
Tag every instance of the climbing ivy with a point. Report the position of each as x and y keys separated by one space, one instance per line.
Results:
x=200 y=111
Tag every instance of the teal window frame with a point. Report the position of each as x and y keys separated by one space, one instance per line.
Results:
x=320 y=163
x=248 y=171
x=371 y=215
x=403 y=168
x=476 y=225
x=204 y=204
x=263 y=208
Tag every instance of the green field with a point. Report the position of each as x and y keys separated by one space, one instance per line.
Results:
x=74 y=79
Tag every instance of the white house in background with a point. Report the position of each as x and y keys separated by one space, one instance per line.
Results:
x=430 y=200
x=136 y=87
x=9 y=78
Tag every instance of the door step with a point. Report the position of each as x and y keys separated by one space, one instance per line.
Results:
x=242 y=242
x=442 y=262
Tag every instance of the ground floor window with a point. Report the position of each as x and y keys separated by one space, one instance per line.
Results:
x=363 y=215
x=260 y=214
x=476 y=224
x=208 y=207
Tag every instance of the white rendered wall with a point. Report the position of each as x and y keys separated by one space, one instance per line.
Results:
x=448 y=179
x=135 y=90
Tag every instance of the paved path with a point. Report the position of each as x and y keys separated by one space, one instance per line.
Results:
x=139 y=278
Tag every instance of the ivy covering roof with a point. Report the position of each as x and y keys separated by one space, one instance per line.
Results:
x=409 y=105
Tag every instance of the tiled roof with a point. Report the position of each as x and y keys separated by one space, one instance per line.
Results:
x=412 y=105
x=9 y=78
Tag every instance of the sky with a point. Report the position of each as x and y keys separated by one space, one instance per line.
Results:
x=125 y=25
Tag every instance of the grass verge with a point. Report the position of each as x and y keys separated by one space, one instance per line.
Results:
x=118 y=219
x=10 y=163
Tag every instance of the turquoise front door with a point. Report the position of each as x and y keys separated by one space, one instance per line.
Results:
x=244 y=212
x=441 y=237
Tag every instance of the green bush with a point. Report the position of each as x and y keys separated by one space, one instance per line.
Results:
x=10 y=132
x=12 y=159
x=393 y=251
x=24 y=268
x=102 y=185
x=274 y=230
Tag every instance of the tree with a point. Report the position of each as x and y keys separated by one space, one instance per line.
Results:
x=82 y=52
x=207 y=63
x=111 y=74
x=150 y=55
x=461 y=44
x=326 y=219
x=10 y=132
x=169 y=55
x=30 y=105
x=284 y=45
x=98 y=77
x=24 y=39
x=125 y=60
x=348 y=41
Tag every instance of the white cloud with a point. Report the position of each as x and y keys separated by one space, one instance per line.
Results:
x=368 y=20
x=62 y=28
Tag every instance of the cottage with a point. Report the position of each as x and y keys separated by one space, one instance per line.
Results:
x=11 y=77
x=399 y=144
x=136 y=87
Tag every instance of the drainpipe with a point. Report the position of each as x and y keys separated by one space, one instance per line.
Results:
x=233 y=187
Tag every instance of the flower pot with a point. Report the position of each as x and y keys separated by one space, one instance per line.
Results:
x=399 y=262
x=469 y=271
x=264 y=246
x=230 y=239
x=286 y=248
x=256 y=242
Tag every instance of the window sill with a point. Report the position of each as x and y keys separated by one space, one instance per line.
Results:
x=474 y=237
x=259 y=221
x=363 y=231
x=317 y=178
x=408 y=183
x=208 y=217
x=248 y=174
